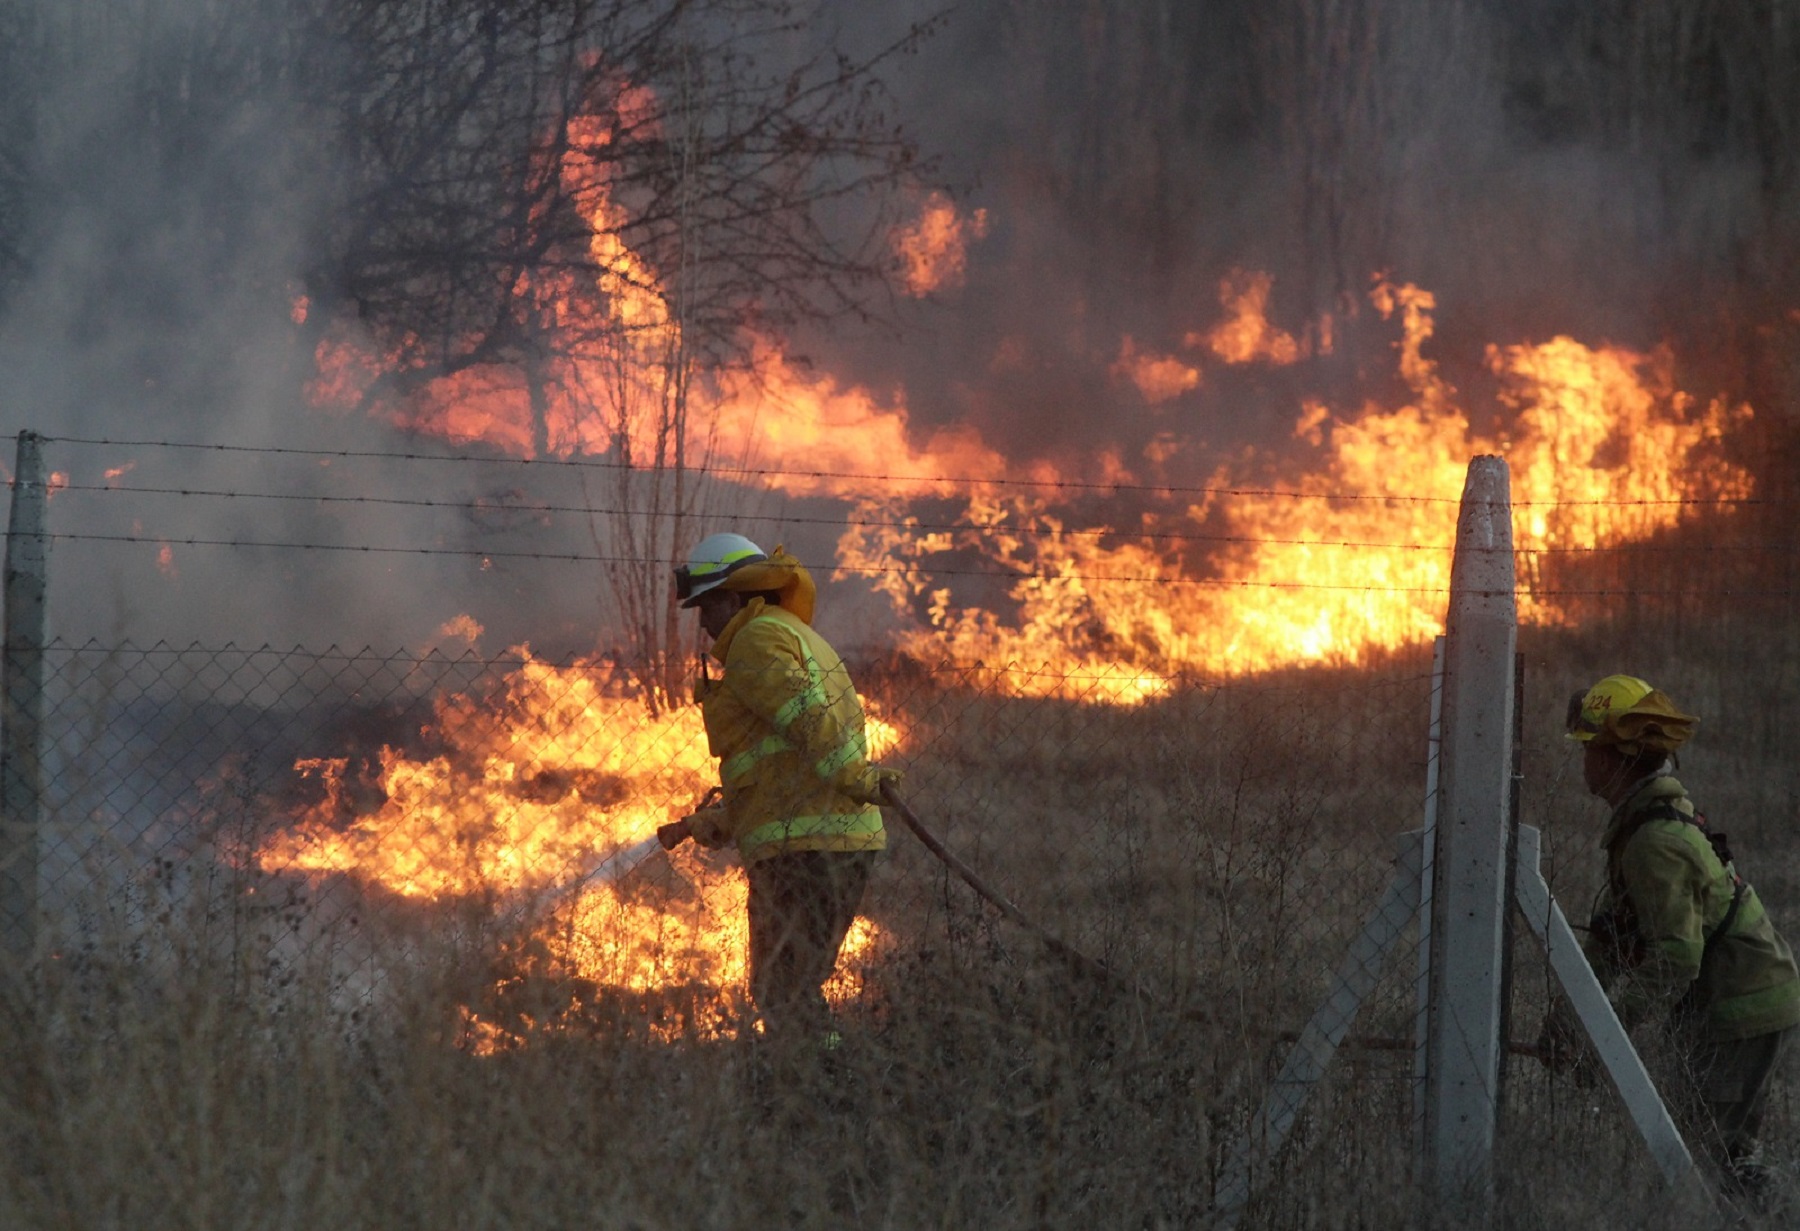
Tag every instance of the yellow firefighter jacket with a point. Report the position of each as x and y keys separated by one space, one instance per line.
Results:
x=1668 y=900
x=787 y=727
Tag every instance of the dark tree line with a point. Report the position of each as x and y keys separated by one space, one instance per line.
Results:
x=416 y=143
x=1122 y=110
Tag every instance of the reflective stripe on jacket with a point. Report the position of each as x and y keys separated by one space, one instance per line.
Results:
x=1742 y=982
x=788 y=729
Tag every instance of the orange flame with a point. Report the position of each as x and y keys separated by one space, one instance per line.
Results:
x=760 y=418
x=933 y=252
x=1247 y=336
x=1348 y=560
x=464 y=628
x=1157 y=377
x=530 y=790
x=1352 y=559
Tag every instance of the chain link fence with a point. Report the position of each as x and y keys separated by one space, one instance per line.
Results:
x=359 y=833
x=1217 y=848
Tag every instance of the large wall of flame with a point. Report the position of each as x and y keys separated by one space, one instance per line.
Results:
x=1112 y=164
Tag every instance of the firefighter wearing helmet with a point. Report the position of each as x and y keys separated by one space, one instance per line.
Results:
x=1677 y=933
x=799 y=796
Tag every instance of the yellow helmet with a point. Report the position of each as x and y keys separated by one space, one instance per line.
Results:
x=1627 y=713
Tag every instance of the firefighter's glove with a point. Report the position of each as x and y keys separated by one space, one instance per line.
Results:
x=1563 y=1049
x=865 y=783
x=710 y=827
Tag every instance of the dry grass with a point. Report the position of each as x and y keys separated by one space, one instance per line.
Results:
x=1218 y=850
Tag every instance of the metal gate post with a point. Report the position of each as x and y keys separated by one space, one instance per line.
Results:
x=21 y=708
x=1464 y=1050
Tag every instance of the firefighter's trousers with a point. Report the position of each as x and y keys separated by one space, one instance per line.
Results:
x=801 y=906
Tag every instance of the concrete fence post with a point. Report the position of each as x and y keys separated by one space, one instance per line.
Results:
x=1464 y=1048
x=21 y=707
x=1427 y=865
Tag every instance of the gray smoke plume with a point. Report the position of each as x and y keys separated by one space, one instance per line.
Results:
x=170 y=180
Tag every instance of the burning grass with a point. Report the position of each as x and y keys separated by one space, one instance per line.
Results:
x=208 y=1060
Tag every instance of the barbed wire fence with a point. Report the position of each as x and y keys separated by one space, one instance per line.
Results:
x=1217 y=845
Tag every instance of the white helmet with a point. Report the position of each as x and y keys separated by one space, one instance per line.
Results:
x=713 y=559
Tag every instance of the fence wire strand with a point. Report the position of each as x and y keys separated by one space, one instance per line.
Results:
x=1221 y=845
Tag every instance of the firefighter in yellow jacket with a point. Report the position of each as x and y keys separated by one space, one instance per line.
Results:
x=1677 y=933
x=800 y=798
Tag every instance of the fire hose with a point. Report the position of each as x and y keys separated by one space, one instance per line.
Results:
x=992 y=896
x=626 y=858
x=1089 y=965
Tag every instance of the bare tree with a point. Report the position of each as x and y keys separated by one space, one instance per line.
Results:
x=613 y=199
x=605 y=200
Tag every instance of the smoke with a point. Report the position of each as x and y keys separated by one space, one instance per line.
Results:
x=177 y=185
x=1131 y=156
x=180 y=181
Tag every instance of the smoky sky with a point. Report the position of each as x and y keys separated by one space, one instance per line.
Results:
x=1129 y=156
